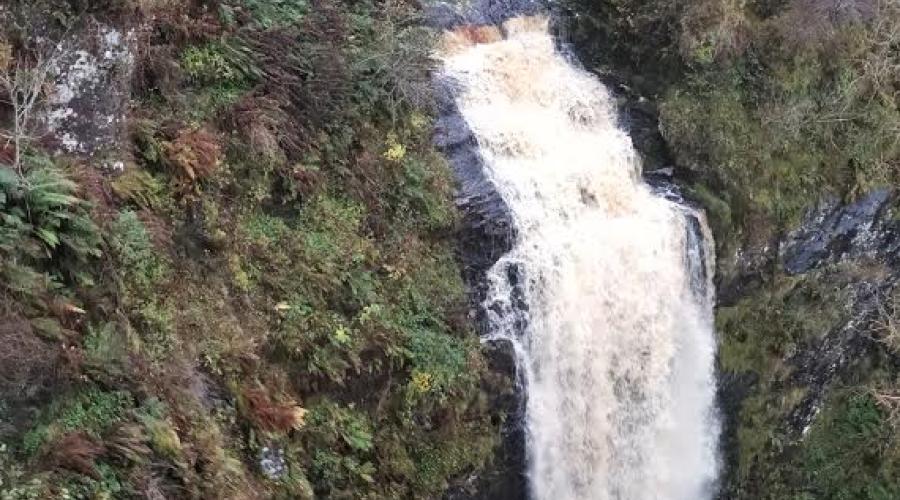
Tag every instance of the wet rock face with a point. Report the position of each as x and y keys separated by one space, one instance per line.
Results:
x=487 y=232
x=818 y=365
x=487 y=229
x=830 y=233
x=833 y=232
x=89 y=96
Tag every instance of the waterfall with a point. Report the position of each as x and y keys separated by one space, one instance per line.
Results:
x=606 y=294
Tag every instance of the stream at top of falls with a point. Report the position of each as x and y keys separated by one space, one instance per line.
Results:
x=613 y=281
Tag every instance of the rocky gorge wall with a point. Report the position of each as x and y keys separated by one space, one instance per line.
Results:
x=801 y=310
x=805 y=295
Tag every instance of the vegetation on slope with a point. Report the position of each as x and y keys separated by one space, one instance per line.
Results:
x=265 y=302
x=767 y=106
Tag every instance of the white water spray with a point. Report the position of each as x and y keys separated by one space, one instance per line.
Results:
x=617 y=355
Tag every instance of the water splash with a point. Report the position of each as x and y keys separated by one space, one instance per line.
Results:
x=617 y=347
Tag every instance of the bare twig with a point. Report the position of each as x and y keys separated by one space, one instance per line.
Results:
x=23 y=86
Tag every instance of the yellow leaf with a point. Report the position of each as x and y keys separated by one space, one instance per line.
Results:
x=299 y=417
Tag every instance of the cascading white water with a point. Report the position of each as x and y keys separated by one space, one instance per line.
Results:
x=617 y=355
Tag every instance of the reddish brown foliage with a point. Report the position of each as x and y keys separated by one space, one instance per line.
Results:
x=7 y=153
x=95 y=188
x=268 y=414
x=266 y=127
x=195 y=153
x=306 y=180
x=305 y=71
x=76 y=452
x=127 y=442
x=158 y=228
x=179 y=22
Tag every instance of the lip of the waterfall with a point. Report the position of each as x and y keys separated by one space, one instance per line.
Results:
x=446 y=15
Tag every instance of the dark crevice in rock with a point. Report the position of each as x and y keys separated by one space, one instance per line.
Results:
x=731 y=391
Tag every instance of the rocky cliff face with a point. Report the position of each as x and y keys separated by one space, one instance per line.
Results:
x=849 y=248
x=486 y=233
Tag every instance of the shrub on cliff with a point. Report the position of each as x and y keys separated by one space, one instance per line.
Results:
x=772 y=104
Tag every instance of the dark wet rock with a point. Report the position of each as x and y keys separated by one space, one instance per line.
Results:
x=445 y=91
x=497 y=11
x=441 y=15
x=445 y=16
x=487 y=232
x=830 y=233
x=451 y=131
x=697 y=256
x=750 y=268
x=487 y=226
x=732 y=390
x=833 y=232
x=664 y=173
x=818 y=365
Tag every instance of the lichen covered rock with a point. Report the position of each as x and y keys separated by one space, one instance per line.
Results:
x=89 y=97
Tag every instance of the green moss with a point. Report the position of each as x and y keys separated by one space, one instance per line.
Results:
x=718 y=212
x=212 y=100
x=759 y=334
x=438 y=464
x=91 y=411
x=142 y=266
x=343 y=440
x=439 y=365
x=265 y=230
x=763 y=329
x=211 y=64
x=271 y=13
x=143 y=270
x=851 y=452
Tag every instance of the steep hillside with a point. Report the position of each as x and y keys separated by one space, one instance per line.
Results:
x=227 y=256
